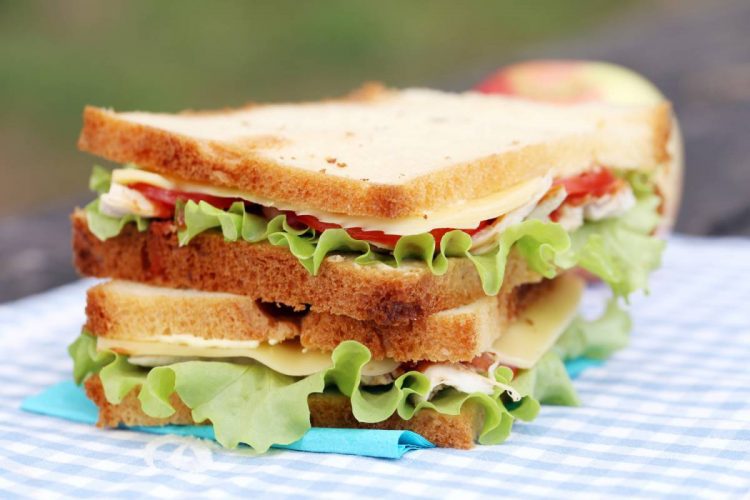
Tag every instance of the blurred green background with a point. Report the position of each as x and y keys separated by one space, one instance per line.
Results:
x=55 y=57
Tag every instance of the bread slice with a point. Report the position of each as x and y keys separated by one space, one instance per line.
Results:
x=132 y=311
x=377 y=293
x=382 y=153
x=326 y=410
x=124 y=310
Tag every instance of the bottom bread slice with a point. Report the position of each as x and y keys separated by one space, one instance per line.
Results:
x=326 y=410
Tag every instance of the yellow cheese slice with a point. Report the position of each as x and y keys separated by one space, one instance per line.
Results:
x=463 y=215
x=288 y=358
x=539 y=326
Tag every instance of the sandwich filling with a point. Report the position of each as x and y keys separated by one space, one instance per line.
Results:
x=592 y=220
x=601 y=221
x=220 y=382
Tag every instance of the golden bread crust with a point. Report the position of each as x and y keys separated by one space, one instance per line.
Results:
x=326 y=410
x=130 y=311
x=244 y=163
x=272 y=274
x=115 y=311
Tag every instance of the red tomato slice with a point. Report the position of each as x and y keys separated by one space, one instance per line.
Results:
x=596 y=183
x=379 y=237
x=165 y=200
x=587 y=185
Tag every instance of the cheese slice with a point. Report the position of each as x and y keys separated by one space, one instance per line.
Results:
x=463 y=215
x=288 y=358
x=539 y=326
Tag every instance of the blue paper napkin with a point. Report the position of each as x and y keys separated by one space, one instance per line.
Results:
x=67 y=400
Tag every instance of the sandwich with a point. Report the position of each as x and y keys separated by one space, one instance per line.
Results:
x=392 y=259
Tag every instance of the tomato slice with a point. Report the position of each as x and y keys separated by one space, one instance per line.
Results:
x=165 y=200
x=378 y=237
x=582 y=187
x=596 y=183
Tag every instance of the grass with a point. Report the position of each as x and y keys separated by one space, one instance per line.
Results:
x=55 y=57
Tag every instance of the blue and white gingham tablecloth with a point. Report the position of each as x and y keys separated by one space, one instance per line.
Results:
x=669 y=416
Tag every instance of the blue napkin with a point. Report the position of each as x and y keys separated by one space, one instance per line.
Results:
x=576 y=366
x=67 y=400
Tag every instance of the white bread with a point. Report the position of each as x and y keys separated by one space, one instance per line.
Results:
x=125 y=310
x=382 y=153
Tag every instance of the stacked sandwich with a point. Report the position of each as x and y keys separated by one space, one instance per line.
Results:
x=392 y=259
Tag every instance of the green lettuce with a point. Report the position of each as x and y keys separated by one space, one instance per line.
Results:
x=100 y=179
x=252 y=404
x=86 y=358
x=547 y=382
x=537 y=241
x=101 y=225
x=105 y=226
x=621 y=250
x=598 y=338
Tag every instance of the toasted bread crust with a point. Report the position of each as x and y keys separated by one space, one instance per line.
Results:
x=242 y=164
x=326 y=410
x=453 y=337
x=131 y=312
x=112 y=313
x=374 y=293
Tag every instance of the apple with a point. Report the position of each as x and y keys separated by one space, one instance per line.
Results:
x=578 y=81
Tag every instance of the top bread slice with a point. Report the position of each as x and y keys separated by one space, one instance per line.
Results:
x=382 y=152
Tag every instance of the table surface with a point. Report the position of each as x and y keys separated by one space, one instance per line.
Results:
x=670 y=415
x=697 y=53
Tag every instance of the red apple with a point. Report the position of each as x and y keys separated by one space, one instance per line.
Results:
x=577 y=81
x=568 y=81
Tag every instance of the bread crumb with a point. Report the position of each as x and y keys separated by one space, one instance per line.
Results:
x=365 y=179
x=330 y=159
x=322 y=171
x=341 y=164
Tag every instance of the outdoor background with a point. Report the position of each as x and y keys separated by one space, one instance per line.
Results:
x=55 y=57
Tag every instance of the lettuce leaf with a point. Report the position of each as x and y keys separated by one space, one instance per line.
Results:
x=101 y=225
x=105 y=226
x=621 y=251
x=100 y=179
x=252 y=404
x=547 y=382
x=598 y=338
x=537 y=241
x=86 y=359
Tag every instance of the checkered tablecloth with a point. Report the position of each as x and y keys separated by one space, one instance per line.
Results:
x=669 y=416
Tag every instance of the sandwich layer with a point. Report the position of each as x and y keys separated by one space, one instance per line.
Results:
x=377 y=293
x=378 y=147
x=133 y=312
x=326 y=410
